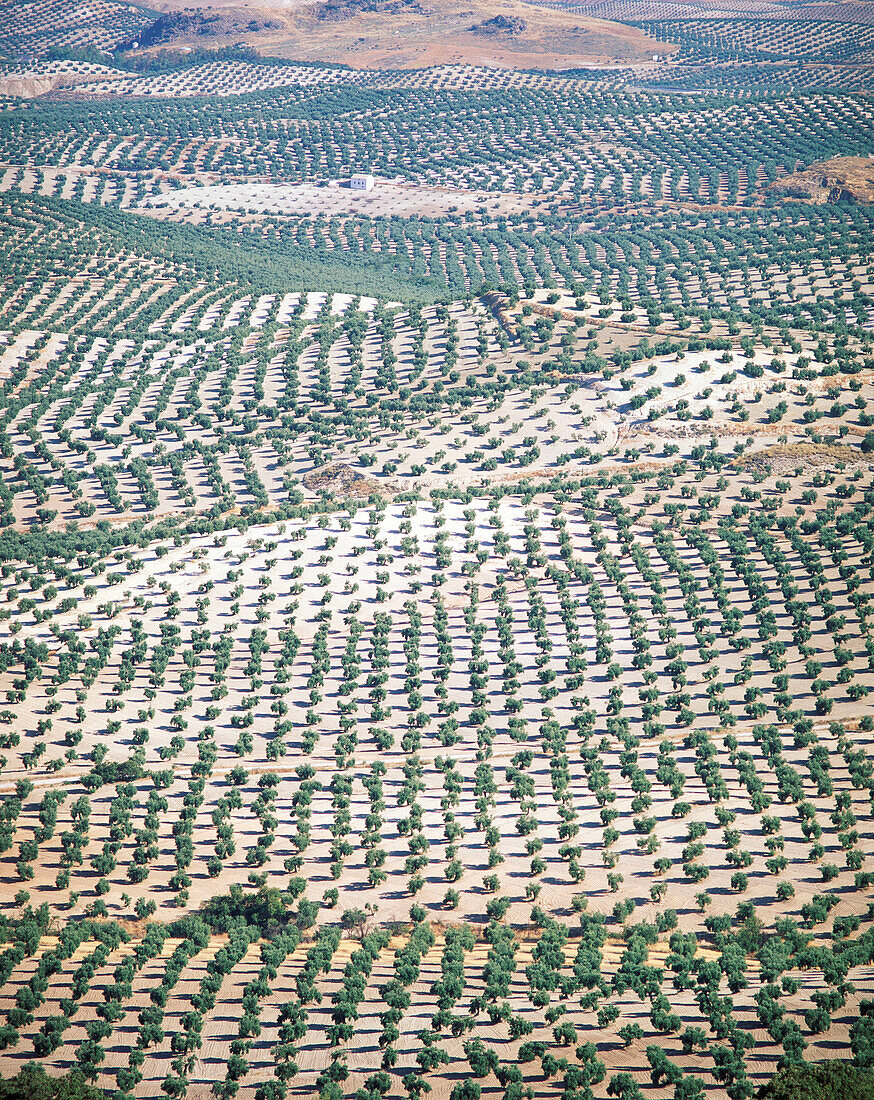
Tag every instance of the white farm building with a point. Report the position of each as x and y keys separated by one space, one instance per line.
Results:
x=361 y=182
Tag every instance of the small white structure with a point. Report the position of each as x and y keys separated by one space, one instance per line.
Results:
x=361 y=182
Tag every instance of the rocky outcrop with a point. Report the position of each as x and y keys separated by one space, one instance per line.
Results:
x=841 y=179
x=194 y=23
x=337 y=10
x=500 y=25
x=340 y=479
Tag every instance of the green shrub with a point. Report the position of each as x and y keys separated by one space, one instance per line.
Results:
x=33 y=1083
x=820 y=1081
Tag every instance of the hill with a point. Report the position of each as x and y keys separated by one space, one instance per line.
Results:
x=411 y=34
x=436 y=621
x=205 y=27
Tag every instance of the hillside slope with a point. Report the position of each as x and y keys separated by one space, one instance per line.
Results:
x=410 y=34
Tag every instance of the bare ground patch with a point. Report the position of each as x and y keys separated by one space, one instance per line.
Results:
x=332 y=198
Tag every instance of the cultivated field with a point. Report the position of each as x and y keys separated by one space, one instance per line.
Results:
x=40 y=25
x=435 y=623
x=387 y=199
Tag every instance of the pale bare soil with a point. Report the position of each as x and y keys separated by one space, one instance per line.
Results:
x=332 y=197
